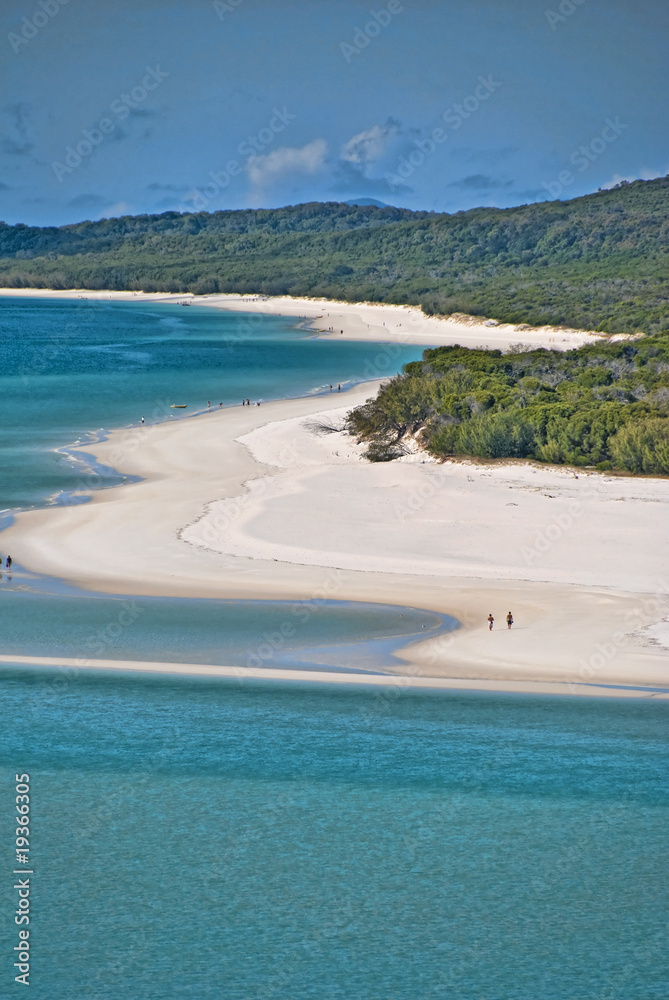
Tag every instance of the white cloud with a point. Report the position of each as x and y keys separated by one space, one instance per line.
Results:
x=262 y=170
x=93 y=207
x=643 y=175
x=113 y=211
x=368 y=146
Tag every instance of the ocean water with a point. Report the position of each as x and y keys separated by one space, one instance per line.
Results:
x=71 y=369
x=312 y=634
x=194 y=840
x=199 y=840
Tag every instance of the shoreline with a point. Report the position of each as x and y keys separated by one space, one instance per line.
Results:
x=395 y=685
x=361 y=321
x=233 y=506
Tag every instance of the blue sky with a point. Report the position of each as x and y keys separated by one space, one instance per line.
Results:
x=136 y=106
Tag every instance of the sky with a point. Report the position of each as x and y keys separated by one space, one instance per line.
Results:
x=146 y=106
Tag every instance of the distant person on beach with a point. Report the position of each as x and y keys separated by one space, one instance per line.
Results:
x=8 y=564
x=491 y=621
x=248 y=402
x=330 y=388
x=208 y=404
x=220 y=405
x=339 y=388
x=509 y=620
x=142 y=419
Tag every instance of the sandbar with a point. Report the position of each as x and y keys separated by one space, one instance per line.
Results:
x=277 y=502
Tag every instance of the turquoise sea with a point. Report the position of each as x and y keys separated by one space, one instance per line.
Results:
x=192 y=839
x=197 y=840
x=71 y=369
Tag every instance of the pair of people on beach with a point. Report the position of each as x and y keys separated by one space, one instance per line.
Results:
x=491 y=620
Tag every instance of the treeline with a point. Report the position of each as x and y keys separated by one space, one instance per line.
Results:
x=598 y=262
x=603 y=405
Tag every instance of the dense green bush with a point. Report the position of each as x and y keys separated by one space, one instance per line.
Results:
x=643 y=446
x=604 y=405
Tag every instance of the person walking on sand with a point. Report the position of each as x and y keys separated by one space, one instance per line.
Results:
x=8 y=564
x=509 y=620
x=491 y=621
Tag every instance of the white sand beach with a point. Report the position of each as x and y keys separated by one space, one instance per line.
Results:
x=352 y=321
x=264 y=502
x=366 y=321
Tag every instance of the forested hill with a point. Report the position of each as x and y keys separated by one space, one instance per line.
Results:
x=599 y=262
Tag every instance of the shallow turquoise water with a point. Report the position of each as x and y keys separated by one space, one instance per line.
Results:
x=314 y=633
x=198 y=840
x=72 y=368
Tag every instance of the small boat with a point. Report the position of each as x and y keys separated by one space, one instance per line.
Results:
x=179 y=406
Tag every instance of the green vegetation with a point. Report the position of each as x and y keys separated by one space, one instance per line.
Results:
x=604 y=405
x=598 y=262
